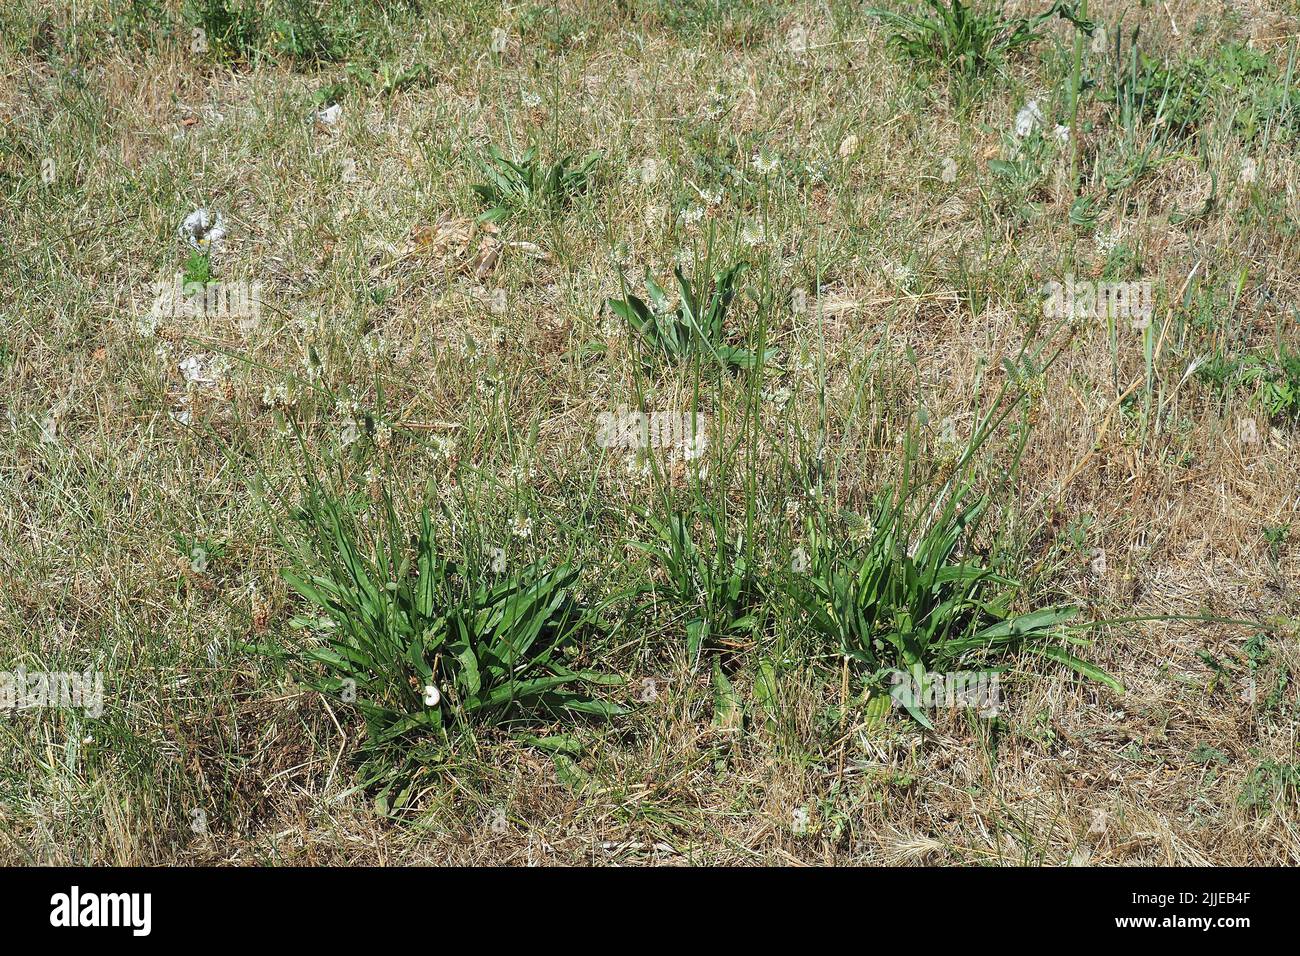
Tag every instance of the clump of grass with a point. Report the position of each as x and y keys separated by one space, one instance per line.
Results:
x=512 y=185
x=714 y=585
x=1022 y=175
x=240 y=32
x=695 y=327
x=963 y=39
x=1270 y=783
x=300 y=33
x=420 y=642
x=1275 y=379
x=139 y=21
x=231 y=32
x=910 y=591
x=549 y=27
x=1181 y=94
x=741 y=22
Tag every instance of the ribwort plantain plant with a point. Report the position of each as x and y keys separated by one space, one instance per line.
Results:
x=695 y=328
x=512 y=185
x=965 y=40
x=420 y=642
x=918 y=595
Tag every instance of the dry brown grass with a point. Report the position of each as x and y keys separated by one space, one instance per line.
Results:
x=1073 y=773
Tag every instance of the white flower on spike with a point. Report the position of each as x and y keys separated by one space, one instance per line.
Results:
x=765 y=163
